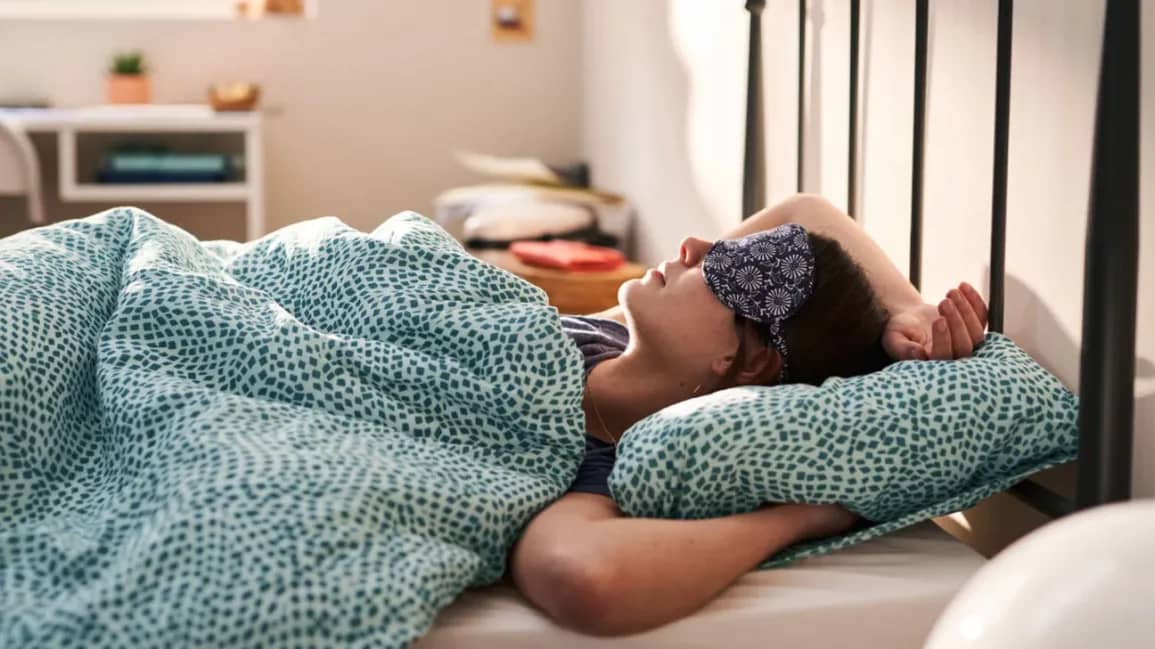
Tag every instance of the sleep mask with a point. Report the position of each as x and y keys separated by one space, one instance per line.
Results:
x=766 y=277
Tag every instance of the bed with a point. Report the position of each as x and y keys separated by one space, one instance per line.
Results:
x=888 y=592
x=883 y=593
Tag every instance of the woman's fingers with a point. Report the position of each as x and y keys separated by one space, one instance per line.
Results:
x=904 y=344
x=976 y=301
x=940 y=345
x=961 y=345
x=911 y=351
x=970 y=319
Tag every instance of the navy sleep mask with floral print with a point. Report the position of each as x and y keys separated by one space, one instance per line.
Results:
x=766 y=277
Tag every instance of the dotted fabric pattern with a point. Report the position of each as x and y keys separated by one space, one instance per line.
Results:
x=916 y=440
x=319 y=438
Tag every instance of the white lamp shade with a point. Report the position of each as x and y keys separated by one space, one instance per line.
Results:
x=1081 y=582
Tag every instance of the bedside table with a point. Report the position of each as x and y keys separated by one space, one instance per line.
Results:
x=572 y=292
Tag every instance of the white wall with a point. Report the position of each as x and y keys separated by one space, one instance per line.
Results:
x=665 y=96
x=366 y=102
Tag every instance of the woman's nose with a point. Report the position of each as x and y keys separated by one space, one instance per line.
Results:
x=692 y=250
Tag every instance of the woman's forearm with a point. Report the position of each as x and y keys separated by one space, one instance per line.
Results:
x=819 y=215
x=667 y=569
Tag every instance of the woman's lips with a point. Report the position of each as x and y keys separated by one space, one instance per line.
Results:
x=657 y=273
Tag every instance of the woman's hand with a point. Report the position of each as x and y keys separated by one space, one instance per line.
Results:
x=816 y=521
x=949 y=330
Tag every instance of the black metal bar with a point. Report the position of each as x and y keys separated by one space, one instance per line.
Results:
x=1110 y=280
x=920 y=24
x=801 y=90
x=754 y=163
x=999 y=194
x=1042 y=498
x=852 y=145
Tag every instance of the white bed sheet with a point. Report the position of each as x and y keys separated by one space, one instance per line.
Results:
x=882 y=594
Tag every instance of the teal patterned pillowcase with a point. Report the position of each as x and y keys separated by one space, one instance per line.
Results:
x=915 y=440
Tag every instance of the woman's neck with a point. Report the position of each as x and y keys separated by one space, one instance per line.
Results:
x=624 y=390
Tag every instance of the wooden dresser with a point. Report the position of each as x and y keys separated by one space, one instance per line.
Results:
x=572 y=292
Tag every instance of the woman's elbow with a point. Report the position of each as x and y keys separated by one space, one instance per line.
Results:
x=803 y=205
x=578 y=592
x=799 y=208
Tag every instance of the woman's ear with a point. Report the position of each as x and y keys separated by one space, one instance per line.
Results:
x=763 y=365
x=721 y=365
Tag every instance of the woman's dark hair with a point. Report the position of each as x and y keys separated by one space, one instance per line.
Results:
x=838 y=332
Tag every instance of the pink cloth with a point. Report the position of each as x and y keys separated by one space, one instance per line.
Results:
x=567 y=255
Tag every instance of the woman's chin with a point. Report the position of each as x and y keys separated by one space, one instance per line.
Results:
x=626 y=292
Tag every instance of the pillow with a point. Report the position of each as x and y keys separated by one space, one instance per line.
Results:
x=916 y=440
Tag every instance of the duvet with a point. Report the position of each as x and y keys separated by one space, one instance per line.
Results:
x=319 y=438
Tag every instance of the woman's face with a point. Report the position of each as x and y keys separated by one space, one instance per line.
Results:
x=673 y=313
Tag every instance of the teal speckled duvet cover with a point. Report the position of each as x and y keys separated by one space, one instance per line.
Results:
x=315 y=439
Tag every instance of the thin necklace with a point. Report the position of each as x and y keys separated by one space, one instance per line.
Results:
x=590 y=391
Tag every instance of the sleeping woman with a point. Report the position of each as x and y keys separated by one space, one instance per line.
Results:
x=796 y=293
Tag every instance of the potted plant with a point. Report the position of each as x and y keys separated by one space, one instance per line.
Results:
x=128 y=80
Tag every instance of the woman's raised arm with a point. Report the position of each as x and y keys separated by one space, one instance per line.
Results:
x=593 y=570
x=952 y=328
x=819 y=215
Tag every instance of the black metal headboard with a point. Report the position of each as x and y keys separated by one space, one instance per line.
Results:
x=1111 y=274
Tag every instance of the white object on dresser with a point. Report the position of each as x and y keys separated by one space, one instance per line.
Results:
x=68 y=122
x=452 y=207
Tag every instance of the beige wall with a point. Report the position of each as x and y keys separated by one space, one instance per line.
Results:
x=366 y=102
x=664 y=102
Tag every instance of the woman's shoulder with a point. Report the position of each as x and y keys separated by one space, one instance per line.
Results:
x=597 y=338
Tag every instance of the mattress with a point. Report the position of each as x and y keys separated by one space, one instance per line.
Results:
x=883 y=593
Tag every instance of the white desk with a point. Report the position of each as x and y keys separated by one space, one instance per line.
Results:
x=68 y=122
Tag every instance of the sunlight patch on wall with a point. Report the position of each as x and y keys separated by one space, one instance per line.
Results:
x=711 y=44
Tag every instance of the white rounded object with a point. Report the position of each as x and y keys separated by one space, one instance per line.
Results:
x=525 y=220
x=1082 y=582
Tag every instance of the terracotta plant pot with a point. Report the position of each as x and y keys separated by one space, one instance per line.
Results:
x=128 y=89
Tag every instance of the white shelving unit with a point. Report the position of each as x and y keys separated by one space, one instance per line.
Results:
x=68 y=123
x=184 y=192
